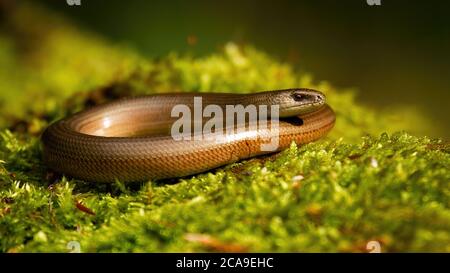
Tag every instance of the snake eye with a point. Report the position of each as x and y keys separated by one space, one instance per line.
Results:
x=298 y=96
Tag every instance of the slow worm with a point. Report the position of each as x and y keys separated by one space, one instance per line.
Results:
x=129 y=139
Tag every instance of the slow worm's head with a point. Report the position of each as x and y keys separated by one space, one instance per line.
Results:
x=298 y=101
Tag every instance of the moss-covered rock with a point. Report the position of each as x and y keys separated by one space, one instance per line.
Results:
x=359 y=184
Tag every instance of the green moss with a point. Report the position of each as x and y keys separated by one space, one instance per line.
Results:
x=359 y=184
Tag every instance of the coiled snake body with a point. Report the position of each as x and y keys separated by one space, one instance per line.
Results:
x=129 y=139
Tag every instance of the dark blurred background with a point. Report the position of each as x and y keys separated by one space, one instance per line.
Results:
x=394 y=54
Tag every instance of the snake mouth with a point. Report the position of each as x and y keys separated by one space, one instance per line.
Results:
x=305 y=108
x=295 y=121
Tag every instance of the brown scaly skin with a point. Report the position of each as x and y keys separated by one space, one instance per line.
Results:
x=128 y=139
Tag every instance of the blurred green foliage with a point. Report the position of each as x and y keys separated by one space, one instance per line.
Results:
x=359 y=184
